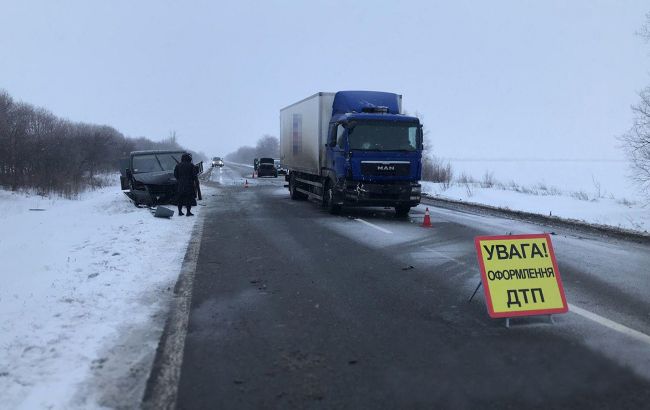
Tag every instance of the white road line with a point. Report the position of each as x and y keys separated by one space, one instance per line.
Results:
x=642 y=337
x=373 y=225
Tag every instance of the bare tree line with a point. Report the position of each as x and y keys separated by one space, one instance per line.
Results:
x=52 y=155
x=267 y=146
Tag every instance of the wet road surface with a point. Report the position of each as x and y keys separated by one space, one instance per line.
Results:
x=294 y=308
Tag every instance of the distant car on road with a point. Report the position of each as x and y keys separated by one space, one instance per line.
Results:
x=281 y=170
x=217 y=162
x=147 y=177
x=266 y=167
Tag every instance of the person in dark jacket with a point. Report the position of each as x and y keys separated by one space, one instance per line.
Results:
x=186 y=182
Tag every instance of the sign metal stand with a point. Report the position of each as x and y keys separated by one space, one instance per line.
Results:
x=475 y=290
x=550 y=320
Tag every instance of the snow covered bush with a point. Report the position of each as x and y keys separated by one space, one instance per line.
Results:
x=435 y=170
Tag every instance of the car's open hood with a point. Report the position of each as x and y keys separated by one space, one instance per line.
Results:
x=156 y=178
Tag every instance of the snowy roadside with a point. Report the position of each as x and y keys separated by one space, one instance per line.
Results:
x=592 y=209
x=81 y=281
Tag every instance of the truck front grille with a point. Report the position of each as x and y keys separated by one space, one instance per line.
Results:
x=385 y=169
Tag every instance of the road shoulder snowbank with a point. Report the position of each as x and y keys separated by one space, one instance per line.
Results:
x=606 y=211
x=82 y=281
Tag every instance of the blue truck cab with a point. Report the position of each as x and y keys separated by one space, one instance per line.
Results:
x=369 y=154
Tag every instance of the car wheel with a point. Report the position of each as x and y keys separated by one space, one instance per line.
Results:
x=402 y=211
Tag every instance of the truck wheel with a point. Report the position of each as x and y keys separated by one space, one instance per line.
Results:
x=332 y=207
x=402 y=211
x=295 y=195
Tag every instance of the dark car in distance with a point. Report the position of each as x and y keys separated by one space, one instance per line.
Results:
x=266 y=168
x=278 y=166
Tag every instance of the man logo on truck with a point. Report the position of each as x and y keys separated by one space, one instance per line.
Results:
x=385 y=167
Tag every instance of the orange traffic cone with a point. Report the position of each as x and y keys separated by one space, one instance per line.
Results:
x=427 y=220
x=246 y=184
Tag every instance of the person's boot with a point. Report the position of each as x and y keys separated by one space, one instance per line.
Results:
x=188 y=211
x=180 y=211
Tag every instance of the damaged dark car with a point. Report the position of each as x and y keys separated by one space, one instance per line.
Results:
x=147 y=177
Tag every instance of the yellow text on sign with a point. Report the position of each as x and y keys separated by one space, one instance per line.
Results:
x=520 y=275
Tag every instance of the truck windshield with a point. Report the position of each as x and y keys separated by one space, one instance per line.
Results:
x=383 y=136
x=155 y=162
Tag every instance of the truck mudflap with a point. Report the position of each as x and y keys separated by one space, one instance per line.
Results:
x=374 y=194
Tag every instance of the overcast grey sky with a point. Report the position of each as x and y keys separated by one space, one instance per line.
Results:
x=540 y=79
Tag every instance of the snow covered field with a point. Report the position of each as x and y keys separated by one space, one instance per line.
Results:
x=82 y=281
x=595 y=177
x=597 y=192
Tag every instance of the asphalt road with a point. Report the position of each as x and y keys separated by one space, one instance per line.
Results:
x=294 y=308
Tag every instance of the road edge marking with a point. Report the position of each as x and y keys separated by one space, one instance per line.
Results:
x=161 y=390
x=635 y=334
x=373 y=225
